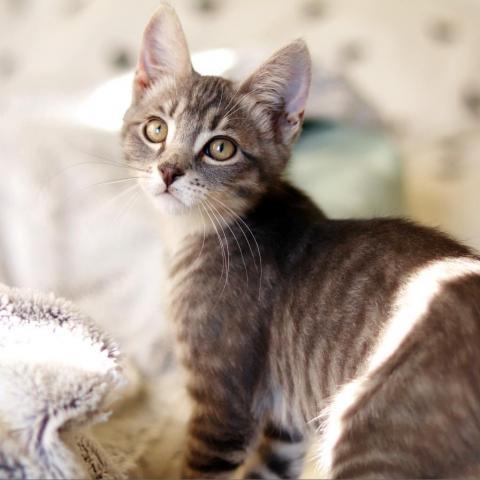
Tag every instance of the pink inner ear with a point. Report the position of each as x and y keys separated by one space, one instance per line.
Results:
x=141 y=79
x=295 y=118
x=297 y=91
x=164 y=51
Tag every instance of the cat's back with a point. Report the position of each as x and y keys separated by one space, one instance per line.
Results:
x=344 y=282
x=338 y=260
x=380 y=324
x=299 y=236
x=363 y=267
x=346 y=272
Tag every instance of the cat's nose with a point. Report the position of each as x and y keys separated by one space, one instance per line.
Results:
x=169 y=173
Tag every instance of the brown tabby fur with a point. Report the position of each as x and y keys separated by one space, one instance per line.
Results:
x=294 y=327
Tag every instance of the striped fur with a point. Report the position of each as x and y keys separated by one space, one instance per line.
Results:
x=363 y=336
x=409 y=309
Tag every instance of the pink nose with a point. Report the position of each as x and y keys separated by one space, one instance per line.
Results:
x=170 y=173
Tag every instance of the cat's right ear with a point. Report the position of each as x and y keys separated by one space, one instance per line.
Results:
x=282 y=84
x=164 y=51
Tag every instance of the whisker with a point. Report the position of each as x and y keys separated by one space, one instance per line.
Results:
x=204 y=236
x=234 y=97
x=235 y=237
x=107 y=160
x=220 y=101
x=235 y=215
x=233 y=111
x=110 y=161
x=226 y=245
x=130 y=202
x=98 y=184
x=237 y=105
x=50 y=179
x=219 y=241
x=117 y=197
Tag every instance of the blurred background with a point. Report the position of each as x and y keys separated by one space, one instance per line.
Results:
x=392 y=128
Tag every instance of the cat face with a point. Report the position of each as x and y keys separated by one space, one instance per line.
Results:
x=204 y=142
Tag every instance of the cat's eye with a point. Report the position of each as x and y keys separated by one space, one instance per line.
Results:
x=220 y=149
x=155 y=130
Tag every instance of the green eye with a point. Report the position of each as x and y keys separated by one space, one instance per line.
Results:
x=155 y=130
x=220 y=149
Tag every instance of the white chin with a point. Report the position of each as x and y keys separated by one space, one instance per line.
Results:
x=168 y=204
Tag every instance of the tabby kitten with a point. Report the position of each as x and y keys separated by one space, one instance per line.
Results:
x=363 y=336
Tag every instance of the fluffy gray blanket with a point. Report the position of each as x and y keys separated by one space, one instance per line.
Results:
x=60 y=378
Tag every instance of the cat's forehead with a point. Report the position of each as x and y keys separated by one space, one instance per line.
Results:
x=194 y=97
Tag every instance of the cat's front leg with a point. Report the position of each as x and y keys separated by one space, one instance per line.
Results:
x=280 y=454
x=218 y=440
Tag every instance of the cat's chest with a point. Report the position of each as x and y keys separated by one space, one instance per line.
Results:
x=209 y=301
x=195 y=273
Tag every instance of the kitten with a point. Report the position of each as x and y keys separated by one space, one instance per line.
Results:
x=363 y=336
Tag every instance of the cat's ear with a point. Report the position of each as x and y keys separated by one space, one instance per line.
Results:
x=164 y=51
x=282 y=83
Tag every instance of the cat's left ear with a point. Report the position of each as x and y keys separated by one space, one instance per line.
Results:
x=282 y=83
x=164 y=51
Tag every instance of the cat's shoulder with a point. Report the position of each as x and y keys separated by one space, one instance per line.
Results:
x=290 y=220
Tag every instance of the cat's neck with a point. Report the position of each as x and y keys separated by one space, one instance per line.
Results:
x=279 y=208
x=174 y=229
